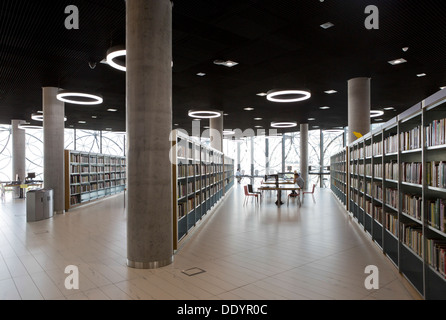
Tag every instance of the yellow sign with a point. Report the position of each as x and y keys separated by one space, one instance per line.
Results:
x=23 y=186
x=357 y=135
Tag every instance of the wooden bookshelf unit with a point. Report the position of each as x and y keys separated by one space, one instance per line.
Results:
x=91 y=176
x=396 y=191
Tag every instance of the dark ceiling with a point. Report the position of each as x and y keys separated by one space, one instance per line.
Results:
x=277 y=43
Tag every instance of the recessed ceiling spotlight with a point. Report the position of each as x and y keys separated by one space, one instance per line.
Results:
x=114 y=53
x=248 y=109
x=397 y=61
x=82 y=122
x=324 y=108
x=288 y=95
x=389 y=108
x=315 y=127
x=283 y=124
x=201 y=74
x=258 y=126
x=112 y=110
x=204 y=114
x=311 y=119
x=327 y=25
x=405 y=49
x=206 y=127
x=421 y=75
x=376 y=113
x=261 y=94
x=226 y=114
x=176 y=124
x=108 y=129
x=228 y=132
x=258 y=119
x=94 y=117
x=227 y=63
x=330 y=91
x=79 y=97
x=378 y=119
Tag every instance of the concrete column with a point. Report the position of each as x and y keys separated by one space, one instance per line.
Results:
x=149 y=123
x=216 y=132
x=53 y=146
x=358 y=107
x=304 y=153
x=18 y=151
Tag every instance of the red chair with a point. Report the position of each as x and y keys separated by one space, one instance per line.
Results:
x=249 y=194
x=309 y=192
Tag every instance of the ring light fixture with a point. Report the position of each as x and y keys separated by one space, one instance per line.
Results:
x=27 y=125
x=112 y=54
x=204 y=114
x=283 y=124
x=376 y=113
x=85 y=98
x=281 y=95
x=38 y=116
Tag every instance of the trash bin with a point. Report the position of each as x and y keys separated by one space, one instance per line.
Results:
x=39 y=204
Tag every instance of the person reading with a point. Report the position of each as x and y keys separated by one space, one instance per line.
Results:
x=299 y=181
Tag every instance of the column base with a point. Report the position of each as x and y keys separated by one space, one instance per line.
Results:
x=149 y=265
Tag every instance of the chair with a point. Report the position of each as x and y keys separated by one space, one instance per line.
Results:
x=309 y=192
x=293 y=195
x=251 y=190
x=248 y=194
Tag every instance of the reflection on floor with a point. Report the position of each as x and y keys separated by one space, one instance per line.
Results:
x=239 y=252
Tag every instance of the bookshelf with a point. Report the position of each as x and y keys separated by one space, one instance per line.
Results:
x=201 y=177
x=396 y=191
x=91 y=176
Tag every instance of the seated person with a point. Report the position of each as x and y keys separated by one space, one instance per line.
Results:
x=238 y=174
x=299 y=181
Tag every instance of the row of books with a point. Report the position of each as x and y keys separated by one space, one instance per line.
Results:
x=435 y=133
x=436 y=214
x=436 y=174
x=391 y=223
x=391 y=144
x=391 y=170
x=412 y=172
x=411 y=235
x=412 y=205
x=75 y=200
x=411 y=140
x=392 y=197
x=436 y=255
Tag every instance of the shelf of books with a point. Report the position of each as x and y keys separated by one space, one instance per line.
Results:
x=200 y=174
x=91 y=176
x=396 y=184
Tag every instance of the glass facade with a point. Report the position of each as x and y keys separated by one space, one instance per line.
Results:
x=105 y=142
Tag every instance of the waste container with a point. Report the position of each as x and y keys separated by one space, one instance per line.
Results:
x=39 y=204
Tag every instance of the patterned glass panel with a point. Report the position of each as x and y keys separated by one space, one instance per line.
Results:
x=113 y=143
x=34 y=152
x=88 y=141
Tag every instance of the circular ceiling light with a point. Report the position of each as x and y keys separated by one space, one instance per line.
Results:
x=79 y=98
x=376 y=113
x=27 y=125
x=204 y=114
x=288 y=95
x=283 y=124
x=334 y=131
x=38 y=116
x=113 y=54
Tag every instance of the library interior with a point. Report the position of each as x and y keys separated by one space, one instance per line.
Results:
x=244 y=150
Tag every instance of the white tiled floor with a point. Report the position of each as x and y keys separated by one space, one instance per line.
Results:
x=248 y=252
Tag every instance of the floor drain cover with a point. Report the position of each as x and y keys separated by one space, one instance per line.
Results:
x=193 y=271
